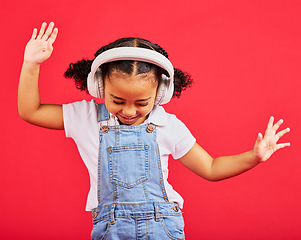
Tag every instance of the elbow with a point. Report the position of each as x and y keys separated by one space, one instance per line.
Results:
x=25 y=115
x=21 y=110
x=26 y=111
x=22 y=113
x=213 y=178
x=218 y=177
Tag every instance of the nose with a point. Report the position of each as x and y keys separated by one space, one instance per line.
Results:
x=129 y=111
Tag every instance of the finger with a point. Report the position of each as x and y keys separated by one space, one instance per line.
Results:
x=277 y=125
x=282 y=145
x=269 y=126
x=34 y=33
x=53 y=36
x=259 y=139
x=281 y=134
x=42 y=30
x=48 y=31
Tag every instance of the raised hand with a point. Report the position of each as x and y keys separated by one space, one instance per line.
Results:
x=267 y=145
x=39 y=47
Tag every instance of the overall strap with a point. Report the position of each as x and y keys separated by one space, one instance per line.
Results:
x=103 y=113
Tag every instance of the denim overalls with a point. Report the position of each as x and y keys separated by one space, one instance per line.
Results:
x=132 y=200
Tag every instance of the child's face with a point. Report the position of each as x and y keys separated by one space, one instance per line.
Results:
x=130 y=98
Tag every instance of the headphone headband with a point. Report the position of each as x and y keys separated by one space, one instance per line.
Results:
x=131 y=53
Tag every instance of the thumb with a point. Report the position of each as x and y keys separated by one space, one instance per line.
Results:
x=259 y=139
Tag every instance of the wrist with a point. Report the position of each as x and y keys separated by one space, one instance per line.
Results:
x=255 y=158
x=31 y=65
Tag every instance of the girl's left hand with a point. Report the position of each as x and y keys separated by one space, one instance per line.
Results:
x=267 y=145
x=39 y=48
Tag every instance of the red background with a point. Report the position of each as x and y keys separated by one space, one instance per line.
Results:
x=245 y=59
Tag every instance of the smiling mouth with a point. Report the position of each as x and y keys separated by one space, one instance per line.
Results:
x=127 y=120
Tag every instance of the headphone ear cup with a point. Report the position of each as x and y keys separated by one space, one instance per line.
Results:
x=162 y=89
x=95 y=84
x=92 y=86
x=99 y=80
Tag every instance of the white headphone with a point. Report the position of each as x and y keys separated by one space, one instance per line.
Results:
x=166 y=88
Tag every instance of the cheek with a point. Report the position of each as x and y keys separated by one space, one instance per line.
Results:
x=147 y=110
x=112 y=108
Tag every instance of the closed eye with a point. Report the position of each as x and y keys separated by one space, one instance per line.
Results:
x=142 y=104
x=118 y=103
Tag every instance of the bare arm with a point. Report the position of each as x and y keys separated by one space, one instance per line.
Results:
x=38 y=49
x=214 y=169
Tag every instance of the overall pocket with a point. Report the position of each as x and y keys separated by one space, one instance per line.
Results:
x=129 y=165
x=101 y=226
x=173 y=226
x=100 y=230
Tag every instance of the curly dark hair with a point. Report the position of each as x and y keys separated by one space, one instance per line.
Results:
x=79 y=71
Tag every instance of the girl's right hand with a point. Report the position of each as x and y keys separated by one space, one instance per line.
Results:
x=39 y=47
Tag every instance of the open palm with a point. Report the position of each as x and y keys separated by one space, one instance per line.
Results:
x=39 y=47
x=267 y=145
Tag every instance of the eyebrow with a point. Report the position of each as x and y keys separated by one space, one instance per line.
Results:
x=140 y=100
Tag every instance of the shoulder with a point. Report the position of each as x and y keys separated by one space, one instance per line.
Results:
x=160 y=117
x=165 y=120
x=173 y=135
x=78 y=116
x=81 y=108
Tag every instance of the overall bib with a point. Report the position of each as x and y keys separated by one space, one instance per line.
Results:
x=132 y=202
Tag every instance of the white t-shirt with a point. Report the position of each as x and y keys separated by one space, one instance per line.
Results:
x=81 y=124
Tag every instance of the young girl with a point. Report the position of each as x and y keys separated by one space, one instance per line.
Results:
x=125 y=142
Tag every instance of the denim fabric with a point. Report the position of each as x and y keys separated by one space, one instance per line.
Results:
x=132 y=200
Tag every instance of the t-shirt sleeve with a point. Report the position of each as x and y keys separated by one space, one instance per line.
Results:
x=74 y=115
x=182 y=138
